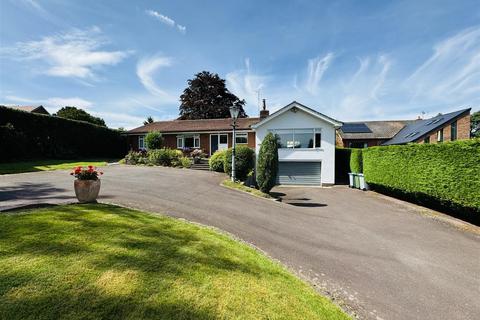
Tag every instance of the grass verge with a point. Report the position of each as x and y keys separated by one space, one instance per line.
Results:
x=239 y=186
x=108 y=262
x=44 y=165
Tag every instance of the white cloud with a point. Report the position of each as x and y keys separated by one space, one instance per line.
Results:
x=452 y=73
x=316 y=69
x=166 y=20
x=54 y=103
x=246 y=85
x=181 y=28
x=72 y=54
x=146 y=69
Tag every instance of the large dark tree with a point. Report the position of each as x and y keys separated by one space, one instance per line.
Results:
x=79 y=114
x=207 y=97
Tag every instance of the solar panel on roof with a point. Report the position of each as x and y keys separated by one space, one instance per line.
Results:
x=355 y=128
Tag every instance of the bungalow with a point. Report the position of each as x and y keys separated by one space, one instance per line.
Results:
x=307 y=140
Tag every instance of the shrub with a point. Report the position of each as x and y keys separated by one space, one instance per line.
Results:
x=185 y=162
x=342 y=164
x=164 y=157
x=154 y=140
x=267 y=165
x=42 y=136
x=244 y=162
x=443 y=175
x=136 y=157
x=356 y=161
x=216 y=161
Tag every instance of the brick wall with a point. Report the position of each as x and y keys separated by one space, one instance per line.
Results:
x=463 y=131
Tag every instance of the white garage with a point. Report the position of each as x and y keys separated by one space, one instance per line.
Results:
x=306 y=144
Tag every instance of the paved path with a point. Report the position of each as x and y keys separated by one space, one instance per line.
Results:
x=374 y=255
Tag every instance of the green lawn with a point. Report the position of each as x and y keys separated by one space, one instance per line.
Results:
x=43 y=165
x=107 y=262
x=239 y=186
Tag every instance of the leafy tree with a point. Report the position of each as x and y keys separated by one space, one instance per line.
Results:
x=154 y=140
x=207 y=97
x=79 y=114
x=475 y=125
x=149 y=120
x=267 y=164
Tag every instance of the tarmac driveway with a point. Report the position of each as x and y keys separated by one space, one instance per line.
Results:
x=378 y=258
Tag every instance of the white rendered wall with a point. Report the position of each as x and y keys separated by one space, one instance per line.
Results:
x=303 y=120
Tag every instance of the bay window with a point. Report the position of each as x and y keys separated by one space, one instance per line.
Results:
x=299 y=138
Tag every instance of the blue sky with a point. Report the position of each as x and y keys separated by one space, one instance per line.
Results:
x=352 y=60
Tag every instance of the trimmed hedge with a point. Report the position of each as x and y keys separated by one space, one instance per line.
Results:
x=342 y=165
x=25 y=135
x=216 y=161
x=356 y=161
x=444 y=175
x=244 y=162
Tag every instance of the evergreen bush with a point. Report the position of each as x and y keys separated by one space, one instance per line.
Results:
x=356 y=161
x=244 y=162
x=154 y=140
x=216 y=161
x=267 y=164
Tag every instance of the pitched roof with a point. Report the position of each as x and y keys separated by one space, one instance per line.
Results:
x=196 y=125
x=39 y=109
x=295 y=104
x=376 y=129
x=419 y=128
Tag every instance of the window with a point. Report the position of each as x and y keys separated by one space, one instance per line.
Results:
x=141 y=143
x=426 y=140
x=223 y=139
x=318 y=140
x=241 y=138
x=453 y=131
x=358 y=144
x=179 y=142
x=440 y=135
x=299 y=138
x=188 y=142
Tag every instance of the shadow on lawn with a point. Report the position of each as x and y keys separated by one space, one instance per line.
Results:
x=163 y=253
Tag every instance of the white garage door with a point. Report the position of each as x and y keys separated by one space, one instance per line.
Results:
x=301 y=173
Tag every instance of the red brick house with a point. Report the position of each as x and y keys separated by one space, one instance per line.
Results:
x=209 y=135
x=443 y=127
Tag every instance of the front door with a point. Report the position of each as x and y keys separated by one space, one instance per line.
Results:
x=218 y=142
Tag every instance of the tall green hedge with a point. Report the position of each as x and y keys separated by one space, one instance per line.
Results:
x=356 y=161
x=444 y=175
x=25 y=135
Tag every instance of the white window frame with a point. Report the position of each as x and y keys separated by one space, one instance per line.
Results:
x=243 y=135
x=315 y=131
x=141 y=143
x=196 y=141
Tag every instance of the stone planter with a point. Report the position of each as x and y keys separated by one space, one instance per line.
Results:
x=87 y=190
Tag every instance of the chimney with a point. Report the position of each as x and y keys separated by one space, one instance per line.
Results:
x=264 y=112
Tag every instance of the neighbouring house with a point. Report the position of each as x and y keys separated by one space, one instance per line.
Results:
x=443 y=127
x=306 y=144
x=307 y=140
x=32 y=109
